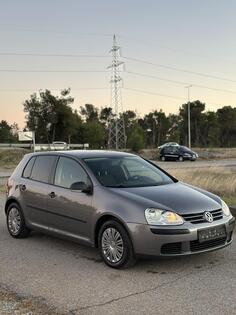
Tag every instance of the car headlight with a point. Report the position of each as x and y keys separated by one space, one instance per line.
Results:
x=225 y=208
x=162 y=217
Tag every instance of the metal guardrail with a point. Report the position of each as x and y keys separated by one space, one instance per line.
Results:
x=45 y=146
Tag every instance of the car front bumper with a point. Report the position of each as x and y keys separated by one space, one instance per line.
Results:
x=179 y=240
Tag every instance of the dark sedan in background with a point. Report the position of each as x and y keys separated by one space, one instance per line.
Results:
x=118 y=202
x=177 y=152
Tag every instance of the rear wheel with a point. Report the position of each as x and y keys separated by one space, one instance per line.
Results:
x=16 y=222
x=115 y=245
x=163 y=158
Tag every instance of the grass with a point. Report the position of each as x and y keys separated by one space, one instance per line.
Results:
x=2 y=189
x=9 y=158
x=216 y=153
x=220 y=181
x=11 y=303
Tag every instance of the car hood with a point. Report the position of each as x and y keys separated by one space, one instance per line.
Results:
x=178 y=197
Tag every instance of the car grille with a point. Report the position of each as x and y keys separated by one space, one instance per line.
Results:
x=171 y=248
x=196 y=246
x=197 y=218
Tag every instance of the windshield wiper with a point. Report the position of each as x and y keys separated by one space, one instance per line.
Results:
x=117 y=186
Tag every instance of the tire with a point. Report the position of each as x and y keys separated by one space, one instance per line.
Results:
x=163 y=158
x=181 y=159
x=16 y=222
x=110 y=233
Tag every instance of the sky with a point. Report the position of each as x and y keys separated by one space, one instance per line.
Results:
x=158 y=39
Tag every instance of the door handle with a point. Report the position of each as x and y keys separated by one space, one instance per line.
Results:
x=22 y=187
x=52 y=194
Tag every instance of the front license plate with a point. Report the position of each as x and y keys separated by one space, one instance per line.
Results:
x=211 y=233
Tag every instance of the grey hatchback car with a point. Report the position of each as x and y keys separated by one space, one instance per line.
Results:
x=120 y=203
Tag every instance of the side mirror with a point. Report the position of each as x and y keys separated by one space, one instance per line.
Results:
x=82 y=186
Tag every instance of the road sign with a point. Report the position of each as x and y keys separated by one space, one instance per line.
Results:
x=27 y=136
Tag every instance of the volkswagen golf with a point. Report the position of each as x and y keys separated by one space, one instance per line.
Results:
x=120 y=203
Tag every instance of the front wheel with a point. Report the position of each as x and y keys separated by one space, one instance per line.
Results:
x=115 y=245
x=16 y=222
x=181 y=159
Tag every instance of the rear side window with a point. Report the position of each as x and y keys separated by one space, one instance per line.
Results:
x=43 y=168
x=28 y=168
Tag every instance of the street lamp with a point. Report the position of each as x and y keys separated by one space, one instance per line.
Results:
x=189 y=122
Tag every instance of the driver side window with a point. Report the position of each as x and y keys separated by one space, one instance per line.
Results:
x=68 y=172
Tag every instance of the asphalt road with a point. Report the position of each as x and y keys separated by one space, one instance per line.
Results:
x=72 y=279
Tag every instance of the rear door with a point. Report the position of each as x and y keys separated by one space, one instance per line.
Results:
x=168 y=152
x=69 y=211
x=34 y=189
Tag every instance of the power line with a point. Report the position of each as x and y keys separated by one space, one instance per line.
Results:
x=154 y=93
x=52 y=55
x=54 y=32
x=174 y=49
x=180 y=82
x=104 y=56
x=180 y=70
x=56 y=71
x=53 y=89
x=109 y=35
x=164 y=95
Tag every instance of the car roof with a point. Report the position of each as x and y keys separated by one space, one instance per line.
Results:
x=85 y=153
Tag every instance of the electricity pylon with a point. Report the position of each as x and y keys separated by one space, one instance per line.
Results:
x=116 y=136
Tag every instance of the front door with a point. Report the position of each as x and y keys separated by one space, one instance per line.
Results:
x=69 y=211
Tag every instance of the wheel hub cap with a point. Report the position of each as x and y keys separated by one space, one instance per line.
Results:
x=112 y=245
x=14 y=220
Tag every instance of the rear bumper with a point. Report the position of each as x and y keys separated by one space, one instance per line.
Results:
x=176 y=241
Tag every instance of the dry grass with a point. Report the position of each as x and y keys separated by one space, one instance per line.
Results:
x=221 y=180
x=216 y=153
x=9 y=158
x=11 y=303
x=2 y=188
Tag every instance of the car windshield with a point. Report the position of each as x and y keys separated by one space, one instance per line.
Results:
x=126 y=172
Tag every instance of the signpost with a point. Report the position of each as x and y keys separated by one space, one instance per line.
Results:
x=27 y=136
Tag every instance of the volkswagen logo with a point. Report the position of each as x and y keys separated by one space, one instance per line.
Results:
x=208 y=216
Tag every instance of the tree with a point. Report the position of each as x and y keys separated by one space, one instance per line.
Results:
x=226 y=117
x=136 y=140
x=93 y=133
x=173 y=133
x=90 y=112
x=209 y=129
x=196 y=110
x=157 y=123
x=105 y=115
x=51 y=117
x=8 y=133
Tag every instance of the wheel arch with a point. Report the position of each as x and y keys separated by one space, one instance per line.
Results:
x=10 y=201
x=106 y=217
